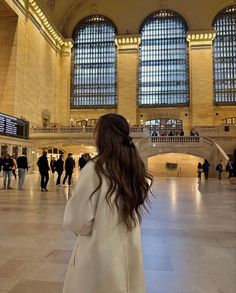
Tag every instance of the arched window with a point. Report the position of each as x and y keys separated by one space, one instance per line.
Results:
x=163 y=126
x=224 y=56
x=94 y=64
x=163 y=60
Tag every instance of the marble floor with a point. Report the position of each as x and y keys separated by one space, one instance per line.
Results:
x=189 y=238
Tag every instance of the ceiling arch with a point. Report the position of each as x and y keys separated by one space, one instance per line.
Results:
x=128 y=15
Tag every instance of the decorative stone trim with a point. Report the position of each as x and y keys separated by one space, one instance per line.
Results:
x=202 y=38
x=128 y=42
x=32 y=10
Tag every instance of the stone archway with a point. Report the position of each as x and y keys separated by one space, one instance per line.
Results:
x=173 y=165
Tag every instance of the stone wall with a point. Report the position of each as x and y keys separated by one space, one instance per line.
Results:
x=35 y=76
x=29 y=69
x=8 y=32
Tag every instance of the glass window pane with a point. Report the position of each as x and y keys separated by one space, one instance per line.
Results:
x=163 y=57
x=224 y=56
x=93 y=81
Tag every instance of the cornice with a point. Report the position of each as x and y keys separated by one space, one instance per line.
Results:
x=201 y=38
x=128 y=42
x=33 y=11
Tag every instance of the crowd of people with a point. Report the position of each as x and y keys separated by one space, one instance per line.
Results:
x=59 y=166
x=9 y=164
x=230 y=168
x=170 y=133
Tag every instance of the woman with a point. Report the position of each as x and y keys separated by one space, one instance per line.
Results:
x=199 y=171
x=105 y=212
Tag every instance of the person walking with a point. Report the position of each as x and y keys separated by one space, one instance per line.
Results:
x=205 y=168
x=105 y=212
x=199 y=171
x=22 y=164
x=43 y=170
x=229 y=168
x=7 y=165
x=219 y=169
x=59 y=166
x=69 y=167
x=14 y=166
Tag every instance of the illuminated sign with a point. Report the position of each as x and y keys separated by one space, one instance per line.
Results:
x=12 y=126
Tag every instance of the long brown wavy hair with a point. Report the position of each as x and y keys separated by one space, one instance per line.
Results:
x=119 y=162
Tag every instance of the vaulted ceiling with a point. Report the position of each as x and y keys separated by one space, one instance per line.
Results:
x=128 y=14
x=5 y=10
x=61 y=11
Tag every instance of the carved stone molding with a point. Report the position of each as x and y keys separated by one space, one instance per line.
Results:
x=128 y=43
x=200 y=39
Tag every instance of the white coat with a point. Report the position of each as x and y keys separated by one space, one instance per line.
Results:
x=106 y=258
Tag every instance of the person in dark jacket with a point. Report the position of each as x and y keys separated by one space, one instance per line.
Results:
x=43 y=170
x=7 y=165
x=59 y=165
x=220 y=169
x=199 y=171
x=82 y=161
x=22 y=164
x=52 y=165
x=205 y=168
x=181 y=132
x=69 y=167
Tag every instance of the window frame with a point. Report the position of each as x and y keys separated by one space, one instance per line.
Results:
x=85 y=21
x=217 y=18
x=147 y=20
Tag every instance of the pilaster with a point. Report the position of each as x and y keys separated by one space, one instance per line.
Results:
x=65 y=81
x=201 y=77
x=127 y=75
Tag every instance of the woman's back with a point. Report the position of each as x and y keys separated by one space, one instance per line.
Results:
x=105 y=212
x=107 y=258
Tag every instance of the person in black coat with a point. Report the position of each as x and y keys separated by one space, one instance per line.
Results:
x=82 y=161
x=43 y=170
x=59 y=165
x=69 y=167
x=205 y=168
x=7 y=164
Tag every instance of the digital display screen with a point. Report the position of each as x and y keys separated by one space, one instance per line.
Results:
x=12 y=126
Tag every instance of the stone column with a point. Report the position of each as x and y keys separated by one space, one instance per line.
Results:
x=201 y=77
x=127 y=75
x=63 y=116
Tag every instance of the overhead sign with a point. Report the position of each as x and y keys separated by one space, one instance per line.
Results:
x=12 y=126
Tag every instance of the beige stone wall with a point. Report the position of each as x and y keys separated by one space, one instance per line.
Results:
x=36 y=77
x=36 y=74
x=127 y=65
x=30 y=70
x=8 y=32
x=82 y=114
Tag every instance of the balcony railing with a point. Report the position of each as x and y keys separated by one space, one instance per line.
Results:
x=175 y=139
x=230 y=120
x=133 y=129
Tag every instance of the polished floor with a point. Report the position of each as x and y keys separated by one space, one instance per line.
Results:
x=189 y=238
